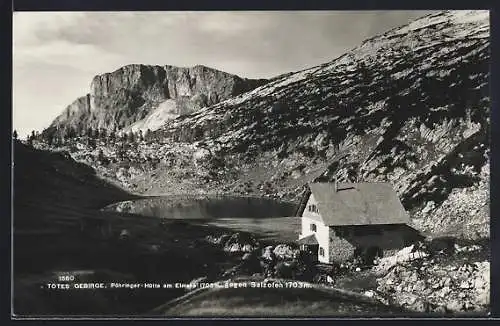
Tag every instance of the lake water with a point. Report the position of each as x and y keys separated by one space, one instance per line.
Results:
x=269 y=218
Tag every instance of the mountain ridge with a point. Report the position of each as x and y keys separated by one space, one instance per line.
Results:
x=120 y=98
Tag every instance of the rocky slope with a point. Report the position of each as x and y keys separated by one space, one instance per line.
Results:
x=438 y=286
x=143 y=97
x=410 y=107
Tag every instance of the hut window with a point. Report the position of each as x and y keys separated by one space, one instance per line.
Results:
x=313 y=208
x=313 y=227
x=321 y=251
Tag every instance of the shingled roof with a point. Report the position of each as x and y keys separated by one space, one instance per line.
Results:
x=358 y=203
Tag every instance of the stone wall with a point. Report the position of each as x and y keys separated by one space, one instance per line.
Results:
x=343 y=241
x=340 y=249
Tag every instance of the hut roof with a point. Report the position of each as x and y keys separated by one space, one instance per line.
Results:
x=309 y=240
x=363 y=203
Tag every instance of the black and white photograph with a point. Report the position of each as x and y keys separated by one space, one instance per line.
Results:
x=251 y=164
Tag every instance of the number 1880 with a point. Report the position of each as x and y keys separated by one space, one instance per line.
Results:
x=66 y=278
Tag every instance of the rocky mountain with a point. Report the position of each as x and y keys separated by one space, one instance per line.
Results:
x=140 y=97
x=410 y=107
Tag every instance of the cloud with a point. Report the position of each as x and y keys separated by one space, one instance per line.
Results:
x=189 y=38
x=232 y=23
x=51 y=38
x=56 y=54
x=60 y=52
x=29 y=28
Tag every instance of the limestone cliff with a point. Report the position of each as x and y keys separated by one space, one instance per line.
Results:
x=119 y=99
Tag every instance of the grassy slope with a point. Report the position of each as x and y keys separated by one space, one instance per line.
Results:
x=49 y=186
x=315 y=301
x=51 y=194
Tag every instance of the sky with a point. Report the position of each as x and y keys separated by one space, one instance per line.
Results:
x=56 y=54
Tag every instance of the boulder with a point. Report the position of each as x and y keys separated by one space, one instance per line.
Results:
x=284 y=251
x=124 y=234
x=369 y=293
x=240 y=242
x=223 y=238
x=419 y=305
x=124 y=207
x=404 y=255
x=455 y=305
x=122 y=174
x=154 y=248
x=247 y=248
x=268 y=254
x=439 y=309
x=233 y=248
x=217 y=240
x=428 y=207
x=247 y=256
x=464 y=285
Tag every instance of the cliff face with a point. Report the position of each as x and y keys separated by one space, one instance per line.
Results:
x=121 y=98
x=79 y=108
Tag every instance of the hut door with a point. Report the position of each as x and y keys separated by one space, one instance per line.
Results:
x=313 y=251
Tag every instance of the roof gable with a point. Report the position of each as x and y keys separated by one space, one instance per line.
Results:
x=358 y=203
x=313 y=216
